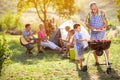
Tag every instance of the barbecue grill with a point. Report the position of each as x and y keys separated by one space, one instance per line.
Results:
x=99 y=46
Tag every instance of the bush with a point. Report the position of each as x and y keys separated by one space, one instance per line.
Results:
x=117 y=2
x=111 y=25
x=10 y=22
x=118 y=14
x=5 y=53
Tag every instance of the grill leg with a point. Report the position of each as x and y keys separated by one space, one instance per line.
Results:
x=106 y=58
x=85 y=67
x=108 y=65
x=88 y=57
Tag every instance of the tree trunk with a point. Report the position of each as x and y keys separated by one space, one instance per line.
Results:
x=45 y=18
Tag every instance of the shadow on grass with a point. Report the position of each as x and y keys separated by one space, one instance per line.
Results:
x=104 y=76
x=83 y=75
x=20 y=56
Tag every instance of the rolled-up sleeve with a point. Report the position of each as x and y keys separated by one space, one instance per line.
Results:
x=87 y=21
x=104 y=19
x=24 y=33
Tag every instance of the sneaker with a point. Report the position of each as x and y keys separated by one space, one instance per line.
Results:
x=84 y=68
x=61 y=50
x=27 y=52
x=109 y=63
x=81 y=68
x=83 y=59
x=77 y=68
x=40 y=51
x=65 y=55
x=64 y=49
x=30 y=53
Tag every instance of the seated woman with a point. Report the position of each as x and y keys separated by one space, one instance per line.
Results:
x=44 y=41
x=69 y=40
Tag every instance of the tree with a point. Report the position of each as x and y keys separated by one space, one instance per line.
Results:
x=117 y=2
x=64 y=8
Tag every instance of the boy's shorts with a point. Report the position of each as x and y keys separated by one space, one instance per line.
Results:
x=77 y=56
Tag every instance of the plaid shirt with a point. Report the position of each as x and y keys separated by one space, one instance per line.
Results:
x=90 y=14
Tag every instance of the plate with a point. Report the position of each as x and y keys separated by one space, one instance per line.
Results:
x=99 y=29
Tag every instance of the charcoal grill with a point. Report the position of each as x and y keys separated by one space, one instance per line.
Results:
x=99 y=46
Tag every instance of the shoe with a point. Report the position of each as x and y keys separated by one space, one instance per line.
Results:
x=27 y=52
x=77 y=68
x=109 y=63
x=84 y=68
x=96 y=64
x=61 y=50
x=30 y=53
x=40 y=51
x=81 y=68
x=64 y=49
x=64 y=55
x=83 y=59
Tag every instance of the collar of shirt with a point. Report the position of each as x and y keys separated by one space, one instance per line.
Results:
x=98 y=13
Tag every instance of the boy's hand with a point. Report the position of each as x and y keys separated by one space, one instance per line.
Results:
x=85 y=40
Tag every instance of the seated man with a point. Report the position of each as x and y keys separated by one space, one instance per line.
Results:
x=69 y=40
x=28 y=39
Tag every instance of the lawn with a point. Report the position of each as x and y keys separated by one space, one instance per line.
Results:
x=51 y=66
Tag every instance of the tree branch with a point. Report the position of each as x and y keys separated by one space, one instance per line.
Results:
x=49 y=3
x=35 y=3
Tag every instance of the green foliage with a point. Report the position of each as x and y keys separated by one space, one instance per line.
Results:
x=117 y=2
x=66 y=8
x=111 y=25
x=23 y=5
x=10 y=22
x=118 y=14
x=5 y=53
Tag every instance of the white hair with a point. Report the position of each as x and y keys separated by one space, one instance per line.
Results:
x=92 y=3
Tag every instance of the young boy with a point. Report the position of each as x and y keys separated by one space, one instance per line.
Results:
x=78 y=45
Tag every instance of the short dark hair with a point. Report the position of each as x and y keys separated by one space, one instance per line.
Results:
x=76 y=25
x=72 y=31
x=27 y=25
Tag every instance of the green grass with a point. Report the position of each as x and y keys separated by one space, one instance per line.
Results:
x=51 y=66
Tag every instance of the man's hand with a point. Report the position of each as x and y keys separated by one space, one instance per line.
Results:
x=92 y=28
x=101 y=28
